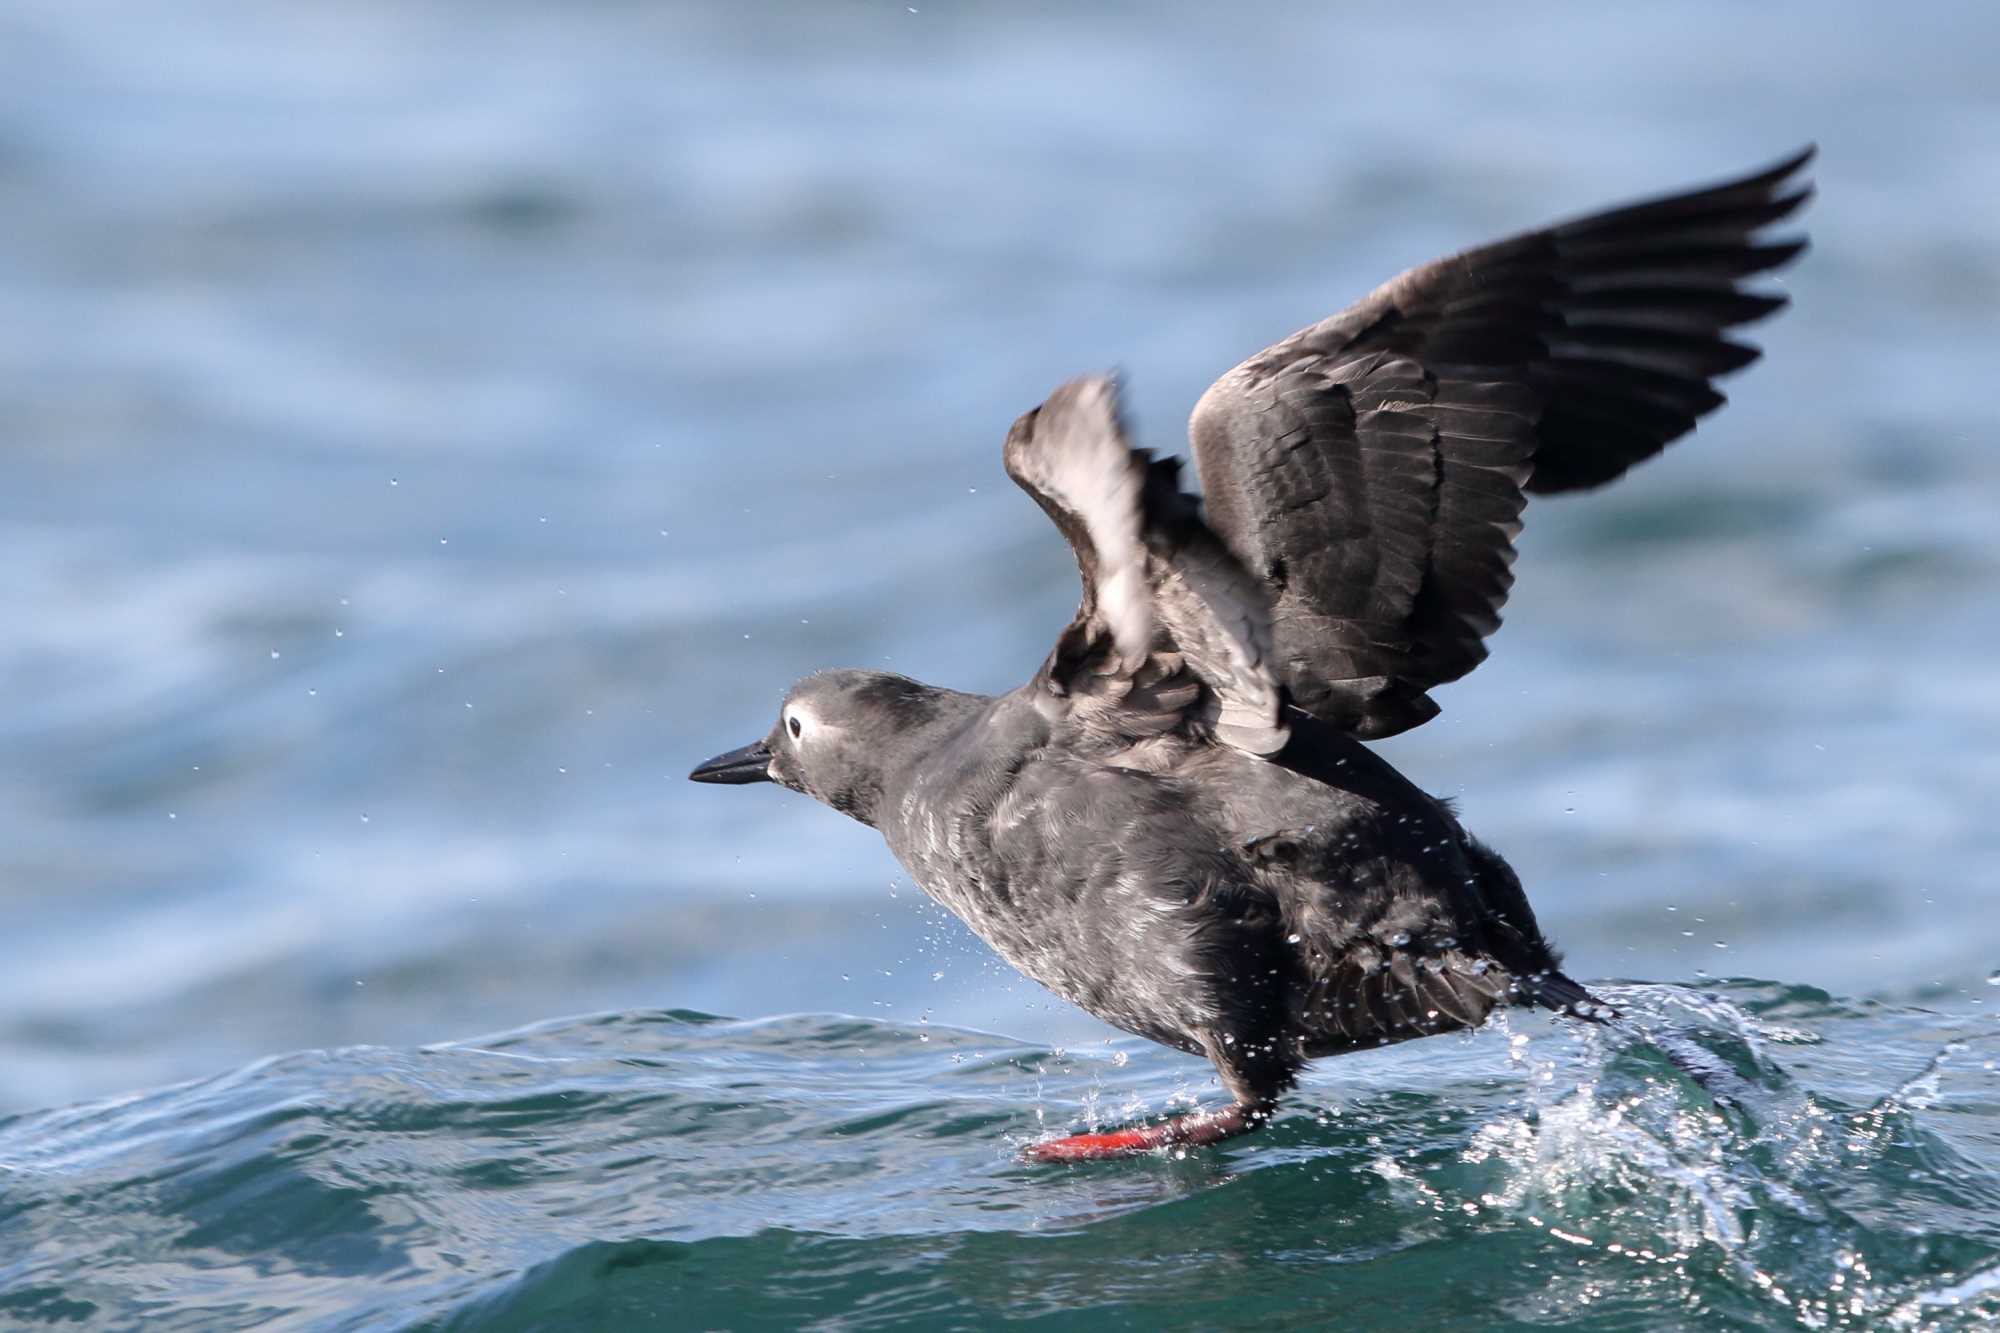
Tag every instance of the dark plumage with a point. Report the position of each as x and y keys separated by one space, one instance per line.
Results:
x=1175 y=824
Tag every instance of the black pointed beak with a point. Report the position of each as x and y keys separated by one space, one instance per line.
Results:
x=752 y=763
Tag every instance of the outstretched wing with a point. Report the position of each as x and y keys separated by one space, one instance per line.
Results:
x=1172 y=636
x=1372 y=469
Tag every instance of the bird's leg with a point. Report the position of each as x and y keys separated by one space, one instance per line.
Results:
x=1255 y=1085
x=1192 y=1130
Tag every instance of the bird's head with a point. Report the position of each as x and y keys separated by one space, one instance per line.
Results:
x=838 y=734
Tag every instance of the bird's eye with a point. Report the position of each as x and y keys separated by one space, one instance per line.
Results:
x=793 y=723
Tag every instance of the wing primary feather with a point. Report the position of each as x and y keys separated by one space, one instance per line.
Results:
x=1372 y=468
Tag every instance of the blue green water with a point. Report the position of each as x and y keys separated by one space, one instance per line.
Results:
x=427 y=427
x=680 y=1170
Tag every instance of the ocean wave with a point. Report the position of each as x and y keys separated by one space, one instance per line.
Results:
x=1749 y=1155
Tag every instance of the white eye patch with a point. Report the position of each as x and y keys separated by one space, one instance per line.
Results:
x=799 y=720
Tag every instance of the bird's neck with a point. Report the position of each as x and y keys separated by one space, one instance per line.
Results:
x=961 y=757
x=911 y=750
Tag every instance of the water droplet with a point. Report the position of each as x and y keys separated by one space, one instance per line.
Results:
x=1399 y=939
x=1294 y=939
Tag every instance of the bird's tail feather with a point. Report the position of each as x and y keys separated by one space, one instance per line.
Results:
x=1553 y=990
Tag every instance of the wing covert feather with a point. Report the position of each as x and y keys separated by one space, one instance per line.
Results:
x=1172 y=635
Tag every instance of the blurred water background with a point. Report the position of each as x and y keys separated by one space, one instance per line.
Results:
x=428 y=428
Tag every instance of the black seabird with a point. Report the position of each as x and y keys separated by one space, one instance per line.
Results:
x=1175 y=824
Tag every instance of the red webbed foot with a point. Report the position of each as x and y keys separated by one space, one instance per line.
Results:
x=1192 y=1130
